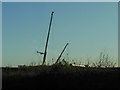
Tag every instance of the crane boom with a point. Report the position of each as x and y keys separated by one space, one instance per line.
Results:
x=61 y=53
x=45 y=52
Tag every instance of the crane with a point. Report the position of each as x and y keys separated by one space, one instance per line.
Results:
x=46 y=45
x=58 y=59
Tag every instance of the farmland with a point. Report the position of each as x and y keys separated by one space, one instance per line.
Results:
x=59 y=76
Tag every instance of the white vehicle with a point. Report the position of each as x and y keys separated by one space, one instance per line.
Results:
x=78 y=65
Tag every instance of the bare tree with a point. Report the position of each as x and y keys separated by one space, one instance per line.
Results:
x=33 y=63
x=104 y=61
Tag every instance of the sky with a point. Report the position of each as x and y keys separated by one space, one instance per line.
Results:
x=88 y=27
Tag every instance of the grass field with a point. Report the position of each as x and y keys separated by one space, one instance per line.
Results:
x=57 y=76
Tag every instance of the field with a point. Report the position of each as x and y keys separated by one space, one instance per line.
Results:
x=57 y=76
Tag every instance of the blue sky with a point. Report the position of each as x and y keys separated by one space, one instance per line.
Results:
x=90 y=28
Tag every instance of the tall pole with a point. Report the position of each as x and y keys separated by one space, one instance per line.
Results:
x=61 y=53
x=45 y=52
